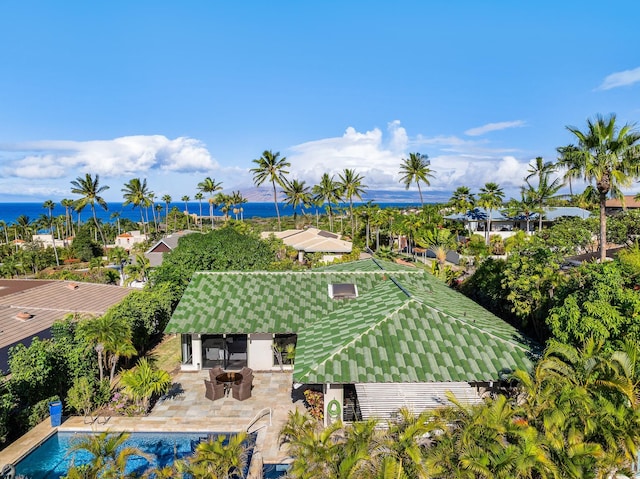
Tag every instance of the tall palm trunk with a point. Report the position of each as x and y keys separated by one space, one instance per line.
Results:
x=275 y=201
x=53 y=240
x=603 y=227
x=95 y=219
x=353 y=233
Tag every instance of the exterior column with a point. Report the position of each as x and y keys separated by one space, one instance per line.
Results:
x=196 y=354
x=333 y=403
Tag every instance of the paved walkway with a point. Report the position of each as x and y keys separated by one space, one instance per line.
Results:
x=187 y=410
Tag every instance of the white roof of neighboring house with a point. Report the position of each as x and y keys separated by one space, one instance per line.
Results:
x=312 y=240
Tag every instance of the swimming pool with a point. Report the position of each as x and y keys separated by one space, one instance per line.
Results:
x=273 y=471
x=50 y=459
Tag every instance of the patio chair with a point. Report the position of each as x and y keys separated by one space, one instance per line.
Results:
x=242 y=391
x=213 y=372
x=245 y=371
x=213 y=391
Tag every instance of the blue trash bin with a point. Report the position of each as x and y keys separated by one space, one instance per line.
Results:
x=55 y=411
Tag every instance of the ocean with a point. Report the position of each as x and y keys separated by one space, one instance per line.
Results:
x=9 y=212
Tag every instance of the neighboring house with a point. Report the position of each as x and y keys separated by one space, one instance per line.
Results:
x=164 y=245
x=505 y=226
x=372 y=335
x=313 y=240
x=28 y=308
x=129 y=239
x=615 y=206
x=46 y=240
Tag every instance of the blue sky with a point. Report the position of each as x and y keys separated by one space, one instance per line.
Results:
x=177 y=91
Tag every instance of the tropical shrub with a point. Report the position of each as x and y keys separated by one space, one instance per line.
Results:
x=144 y=382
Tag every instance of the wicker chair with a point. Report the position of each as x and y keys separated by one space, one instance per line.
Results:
x=245 y=371
x=213 y=391
x=242 y=391
x=213 y=372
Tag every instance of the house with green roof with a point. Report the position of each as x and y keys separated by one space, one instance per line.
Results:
x=372 y=335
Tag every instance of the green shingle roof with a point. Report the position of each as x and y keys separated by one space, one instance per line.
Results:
x=404 y=326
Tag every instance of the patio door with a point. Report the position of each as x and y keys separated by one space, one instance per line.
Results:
x=236 y=347
x=229 y=351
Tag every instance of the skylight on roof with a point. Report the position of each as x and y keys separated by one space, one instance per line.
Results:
x=343 y=291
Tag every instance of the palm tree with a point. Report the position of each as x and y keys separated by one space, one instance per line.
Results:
x=525 y=207
x=116 y=216
x=462 y=201
x=491 y=196
x=4 y=227
x=296 y=194
x=546 y=189
x=416 y=169
x=150 y=203
x=198 y=196
x=327 y=191
x=109 y=334
x=350 y=185
x=607 y=155
x=220 y=457
x=109 y=455
x=68 y=205
x=144 y=381
x=136 y=193
x=158 y=209
x=186 y=199
x=439 y=241
x=564 y=163
x=78 y=209
x=49 y=205
x=225 y=202
x=90 y=189
x=24 y=224
x=271 y=168
x=167 y=202
x=238 y=200
x=583 y=400
x=209 y=185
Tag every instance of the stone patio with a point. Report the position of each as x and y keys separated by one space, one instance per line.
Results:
x=185 y=409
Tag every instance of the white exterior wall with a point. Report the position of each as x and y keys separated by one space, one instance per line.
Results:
x=333 y=391
x=259 y=352
x=330 y=258
x=196 y=354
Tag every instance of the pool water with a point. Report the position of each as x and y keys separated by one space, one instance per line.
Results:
x=50 y=460
x=273 y=471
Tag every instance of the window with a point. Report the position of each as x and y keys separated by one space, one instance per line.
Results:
x=343 y=291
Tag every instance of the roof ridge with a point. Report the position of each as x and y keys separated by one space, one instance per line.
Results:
x=467 y=323
x=382 y=271
x=371 y=327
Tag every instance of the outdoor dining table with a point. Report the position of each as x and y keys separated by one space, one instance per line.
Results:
x=228 y=379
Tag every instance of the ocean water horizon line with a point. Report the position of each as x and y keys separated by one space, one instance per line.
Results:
x=10 y=211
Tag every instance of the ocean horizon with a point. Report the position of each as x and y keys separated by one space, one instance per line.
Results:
x=10 y=211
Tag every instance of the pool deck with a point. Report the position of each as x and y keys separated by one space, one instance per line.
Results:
x=187 y=410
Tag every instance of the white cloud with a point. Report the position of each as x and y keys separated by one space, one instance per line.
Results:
x=618 y=79
x=377 y=157
x=124 y=156
x=503 y=125
x=368 y=153
x=44 y=169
